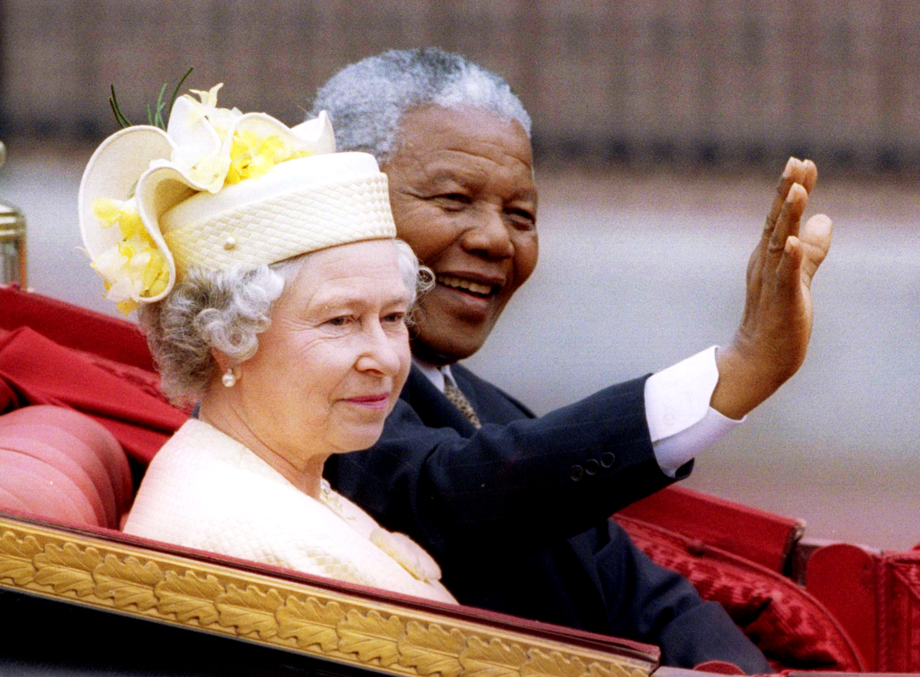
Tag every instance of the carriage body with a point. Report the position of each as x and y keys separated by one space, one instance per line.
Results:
x=85 y=596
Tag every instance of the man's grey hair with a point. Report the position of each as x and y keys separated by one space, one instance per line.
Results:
x=367 y=99
x=226 y=310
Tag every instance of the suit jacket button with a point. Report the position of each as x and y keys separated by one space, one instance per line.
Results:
x=576 y=472
x=607 y=460
x=591 y=466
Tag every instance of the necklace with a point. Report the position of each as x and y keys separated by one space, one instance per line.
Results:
x=333 y=501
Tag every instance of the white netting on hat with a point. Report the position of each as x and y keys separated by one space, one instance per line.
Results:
x=282 y=226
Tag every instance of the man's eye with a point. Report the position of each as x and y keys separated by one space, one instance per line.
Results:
x=522 y=219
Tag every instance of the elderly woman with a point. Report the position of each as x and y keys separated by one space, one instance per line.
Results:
x=272 y=291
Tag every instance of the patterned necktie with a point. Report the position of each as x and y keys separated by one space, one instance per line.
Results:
x=458 y=399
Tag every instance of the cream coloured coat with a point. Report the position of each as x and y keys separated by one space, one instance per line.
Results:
x=207 y=491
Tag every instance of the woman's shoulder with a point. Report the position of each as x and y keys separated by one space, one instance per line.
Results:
x=200 y=482
x=202 y=454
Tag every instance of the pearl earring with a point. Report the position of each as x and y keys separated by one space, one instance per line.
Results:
x=228 y=379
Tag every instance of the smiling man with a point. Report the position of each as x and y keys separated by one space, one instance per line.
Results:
x=464 y=184
x=515 y=507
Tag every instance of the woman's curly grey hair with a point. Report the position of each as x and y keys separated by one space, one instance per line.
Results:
x=367 y=99
x=226 y=310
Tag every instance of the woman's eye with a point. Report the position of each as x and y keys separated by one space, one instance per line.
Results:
x=339 y=321
x=453 y=200
x=395 y=318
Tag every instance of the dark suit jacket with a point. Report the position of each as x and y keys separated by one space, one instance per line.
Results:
x=515 y=513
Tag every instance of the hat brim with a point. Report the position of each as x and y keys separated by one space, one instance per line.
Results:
x=113 y=172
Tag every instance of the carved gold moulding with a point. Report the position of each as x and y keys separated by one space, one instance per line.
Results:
x=335 y=626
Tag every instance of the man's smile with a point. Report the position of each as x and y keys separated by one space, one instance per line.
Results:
x=469 y=286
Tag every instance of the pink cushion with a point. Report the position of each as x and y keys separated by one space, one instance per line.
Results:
x=84 y=434
x=46 y=491
x=12 y=501
x=62 y=465
x=75 y=463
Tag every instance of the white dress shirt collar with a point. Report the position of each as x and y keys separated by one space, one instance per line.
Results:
x=436 y=375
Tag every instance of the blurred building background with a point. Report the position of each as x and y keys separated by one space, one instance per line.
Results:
x=659 y=128
x=706 y=81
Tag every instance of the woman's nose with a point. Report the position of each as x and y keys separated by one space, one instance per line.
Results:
x=489 y=234
x=381 y=351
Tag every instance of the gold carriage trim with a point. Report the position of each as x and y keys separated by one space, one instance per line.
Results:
x=295 y=616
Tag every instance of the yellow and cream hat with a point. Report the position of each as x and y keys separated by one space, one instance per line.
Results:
x=220 y=189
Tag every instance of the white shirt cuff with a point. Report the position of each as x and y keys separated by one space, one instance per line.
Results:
x=680 y=420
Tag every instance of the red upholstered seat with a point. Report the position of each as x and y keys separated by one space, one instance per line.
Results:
x=899 y=612
x=97 y=373
x=52 y=352
x=876 y=595
x=845 y=578
x=761 y=537
x=125 y=399
x=719 y=668
x=789 y=625
x=62 y=465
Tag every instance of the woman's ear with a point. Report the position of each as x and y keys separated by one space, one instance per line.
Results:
x=228 y=371
x=223 y=362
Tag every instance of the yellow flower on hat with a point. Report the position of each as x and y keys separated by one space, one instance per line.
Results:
x=125 y=214
x=252 y=156
x=134 y=268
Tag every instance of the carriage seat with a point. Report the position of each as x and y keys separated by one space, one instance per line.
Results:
x=64 y=466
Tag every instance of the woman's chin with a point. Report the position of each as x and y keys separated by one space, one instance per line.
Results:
x=358 y=438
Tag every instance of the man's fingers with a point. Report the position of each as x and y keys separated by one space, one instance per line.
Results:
x=788 y=222
x=782 y=190
x=810 y=175
x=816 y=238
x=790 y=265
x=801 y=256
x=802 y=172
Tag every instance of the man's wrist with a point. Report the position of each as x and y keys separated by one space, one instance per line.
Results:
x=743 y=385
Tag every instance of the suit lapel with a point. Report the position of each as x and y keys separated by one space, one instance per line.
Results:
x=433 y=408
